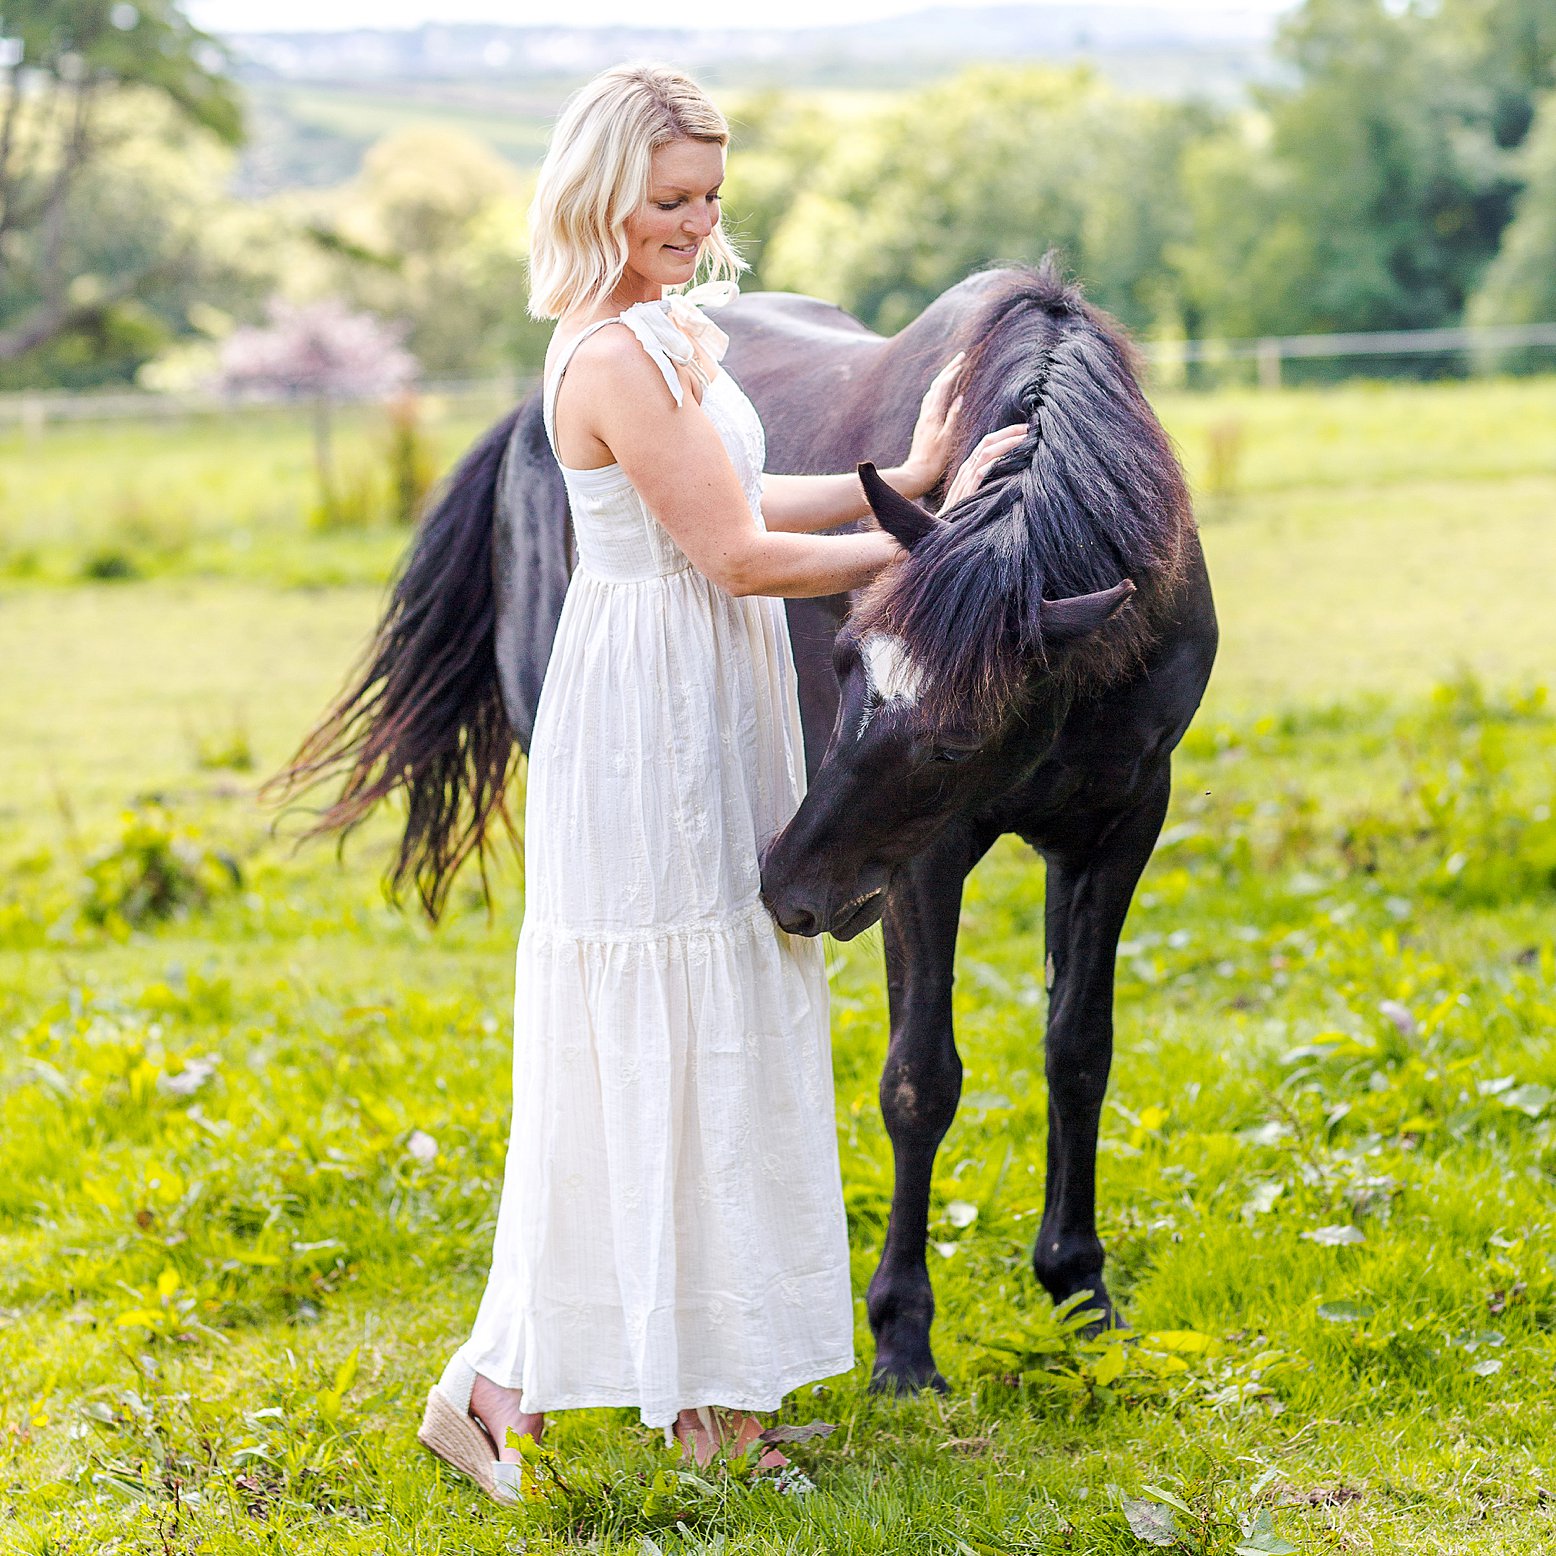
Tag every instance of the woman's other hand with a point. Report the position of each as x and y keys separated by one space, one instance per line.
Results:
x=934 y=434
x=969 y=477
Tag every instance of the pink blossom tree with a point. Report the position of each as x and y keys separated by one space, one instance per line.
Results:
x=321 y=352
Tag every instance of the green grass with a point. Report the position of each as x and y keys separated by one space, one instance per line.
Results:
x=222 y=496
x=1337 y=999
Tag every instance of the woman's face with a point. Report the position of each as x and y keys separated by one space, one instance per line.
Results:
x=666 y=233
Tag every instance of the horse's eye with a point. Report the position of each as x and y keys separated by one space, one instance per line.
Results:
x=949 y=754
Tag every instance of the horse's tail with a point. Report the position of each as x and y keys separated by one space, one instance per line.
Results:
x=423 y=712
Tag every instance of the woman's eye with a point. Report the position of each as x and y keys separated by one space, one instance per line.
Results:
x=667 y=206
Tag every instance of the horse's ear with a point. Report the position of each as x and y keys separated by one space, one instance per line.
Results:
x=1065 y=621
x=900 y=516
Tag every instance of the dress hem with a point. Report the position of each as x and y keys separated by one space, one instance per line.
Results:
x=731 y=1399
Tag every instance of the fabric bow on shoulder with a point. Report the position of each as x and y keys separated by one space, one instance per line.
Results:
x=671 y=328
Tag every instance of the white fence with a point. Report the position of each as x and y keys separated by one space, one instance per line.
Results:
x=34 y=411
x=1270 y=352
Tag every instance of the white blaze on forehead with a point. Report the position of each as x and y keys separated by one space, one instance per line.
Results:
x=888 y=671
x=892 y=675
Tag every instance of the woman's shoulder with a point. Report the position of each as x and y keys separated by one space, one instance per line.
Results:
x=631 y=360
x=609 y=353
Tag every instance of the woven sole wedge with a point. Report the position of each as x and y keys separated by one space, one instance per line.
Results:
x=449 y=1431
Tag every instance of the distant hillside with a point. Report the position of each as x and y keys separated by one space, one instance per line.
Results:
x=321 y=98
x=938 y=36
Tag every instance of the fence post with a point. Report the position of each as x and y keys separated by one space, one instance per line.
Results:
x=33 y=414
x=1268 y=356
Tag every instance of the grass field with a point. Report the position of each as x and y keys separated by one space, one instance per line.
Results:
x=249 y=1151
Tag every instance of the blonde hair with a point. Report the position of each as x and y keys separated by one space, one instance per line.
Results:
x=596 y=174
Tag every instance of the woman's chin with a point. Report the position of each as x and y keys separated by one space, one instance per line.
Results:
x=681 y=266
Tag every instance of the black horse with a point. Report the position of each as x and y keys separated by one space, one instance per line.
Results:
x=1028 y=668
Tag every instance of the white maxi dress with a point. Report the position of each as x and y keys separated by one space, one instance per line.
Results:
x=671 y=1230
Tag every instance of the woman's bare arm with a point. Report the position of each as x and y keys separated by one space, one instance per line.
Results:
x=804 y=503
x=675 y=459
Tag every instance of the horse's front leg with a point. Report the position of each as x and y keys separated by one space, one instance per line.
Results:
x=920 y=1086
x=1089 y=891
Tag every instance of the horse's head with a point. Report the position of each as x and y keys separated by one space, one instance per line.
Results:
x=904 y=758
x=958 y=667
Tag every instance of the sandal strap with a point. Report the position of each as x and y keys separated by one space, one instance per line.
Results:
x=456 y=1383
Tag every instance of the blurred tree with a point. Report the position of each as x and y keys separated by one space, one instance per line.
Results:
x=431 y=232
x=1520 y=284
x=65 y=65
x=777 y=143
x=993 y=166
x=155 y=206
x=1509 y=48
x=323 y=353
x=1372 y=195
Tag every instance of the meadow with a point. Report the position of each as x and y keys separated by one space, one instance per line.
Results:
x=252 y=1116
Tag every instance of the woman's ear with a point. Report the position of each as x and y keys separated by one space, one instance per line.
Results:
x=902 y=518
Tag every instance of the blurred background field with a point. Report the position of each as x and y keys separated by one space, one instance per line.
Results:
x=252 y=1117
x=1404 y=529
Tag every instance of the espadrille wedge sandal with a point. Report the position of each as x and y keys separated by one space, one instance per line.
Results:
x=455 y=1436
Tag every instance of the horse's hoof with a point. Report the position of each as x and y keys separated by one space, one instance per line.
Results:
x=1109 y=1321
x=1101 y=1304
x=902 y=1381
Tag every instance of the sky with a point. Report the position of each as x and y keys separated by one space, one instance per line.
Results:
x=327 y=15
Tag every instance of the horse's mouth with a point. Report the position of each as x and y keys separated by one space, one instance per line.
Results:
x=858 y=914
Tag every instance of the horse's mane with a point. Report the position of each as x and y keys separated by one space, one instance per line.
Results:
x=1091 y=496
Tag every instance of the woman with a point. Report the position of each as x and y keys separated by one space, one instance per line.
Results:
x=671 y=1232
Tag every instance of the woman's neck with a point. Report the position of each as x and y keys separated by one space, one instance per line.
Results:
x=633 y=288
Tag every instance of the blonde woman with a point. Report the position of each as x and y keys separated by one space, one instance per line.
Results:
x=671 y=1233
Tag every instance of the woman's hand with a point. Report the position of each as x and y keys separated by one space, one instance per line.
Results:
x=969 y=477
x=934 y=434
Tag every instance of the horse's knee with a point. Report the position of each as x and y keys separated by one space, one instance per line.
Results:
x=1077 y=1072
x=919 y=1095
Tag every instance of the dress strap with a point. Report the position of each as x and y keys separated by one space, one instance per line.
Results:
x=548 y=392
x=670 y=330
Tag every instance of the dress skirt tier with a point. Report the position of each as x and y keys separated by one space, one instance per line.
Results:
x=671 y=1229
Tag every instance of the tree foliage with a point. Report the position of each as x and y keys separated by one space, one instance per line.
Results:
x=992 y=166
x=1398 y=174
x=1370 y=194
x=1520 y=285
x=431 y=233
x=67 y=67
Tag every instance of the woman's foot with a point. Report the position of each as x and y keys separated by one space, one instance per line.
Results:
x=704 y=1434
x=497 y=1409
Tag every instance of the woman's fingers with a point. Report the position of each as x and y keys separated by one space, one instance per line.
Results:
x=989 y=448
x=939 y=391
x=995 y=445
x=1003 y=439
